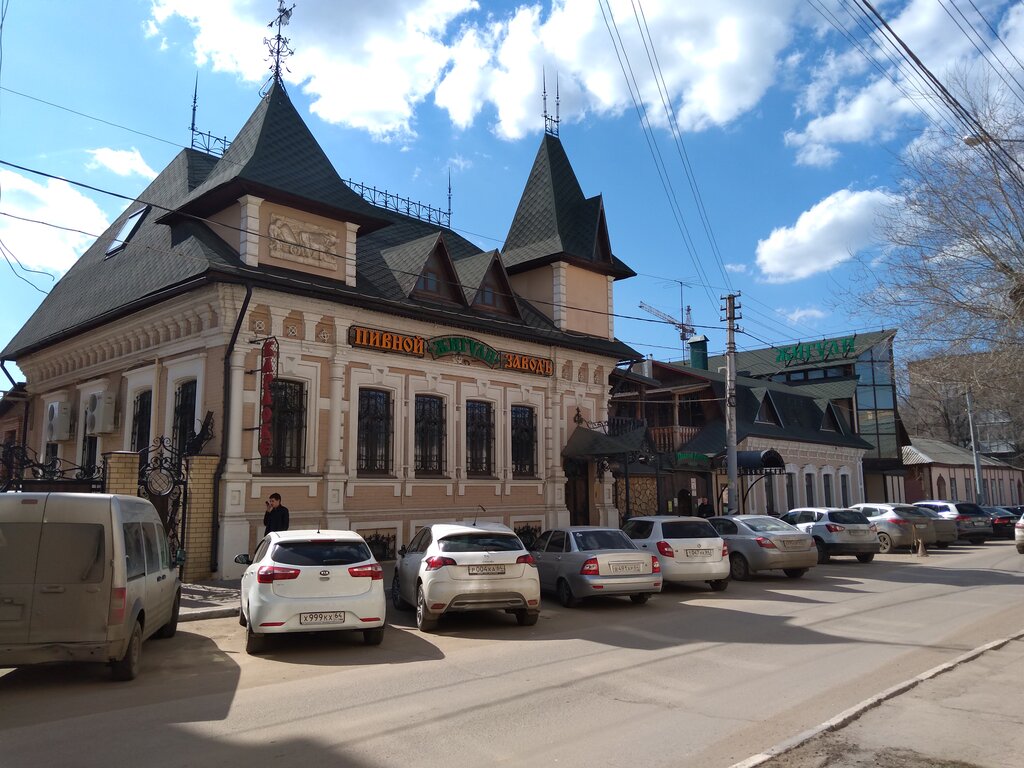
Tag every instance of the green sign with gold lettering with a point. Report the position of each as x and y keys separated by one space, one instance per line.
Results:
x=816 y=351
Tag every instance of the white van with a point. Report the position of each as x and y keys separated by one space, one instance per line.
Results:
x=83 y=577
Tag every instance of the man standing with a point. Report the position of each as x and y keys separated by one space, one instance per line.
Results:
x=704 y=509
x=276 y=516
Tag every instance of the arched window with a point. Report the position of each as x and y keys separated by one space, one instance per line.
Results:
x=940 y=487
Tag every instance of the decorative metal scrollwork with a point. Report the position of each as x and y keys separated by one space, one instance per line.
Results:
x=21 y=468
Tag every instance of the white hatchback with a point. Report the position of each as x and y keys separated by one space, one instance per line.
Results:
x=688 y=548
x=451 y=567
x=311 y=581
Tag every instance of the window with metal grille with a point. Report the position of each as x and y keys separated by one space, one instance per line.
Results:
x=790 y=491
x=430 y=434
x=769 y=494
x=809 y=489
x=141 y=416
x=89 y=450
x=524 y=441
x=844 y=489
x=183 y=429
x=287 y=427
x=373 y=448
x=827 y=480
x=479 y=438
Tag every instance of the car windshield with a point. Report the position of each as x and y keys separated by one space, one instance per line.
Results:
x=929 y=513
x=688 y=529
x=322 y=552
x=908 y=511
x=480 y=542
x=847 y=517
x=588 y=541
x=768 y=525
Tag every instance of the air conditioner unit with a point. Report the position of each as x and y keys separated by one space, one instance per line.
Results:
x=99 y=413
x=58 y=422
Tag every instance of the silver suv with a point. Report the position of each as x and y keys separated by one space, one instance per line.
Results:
x=836 y=531
x=899 y=525
x=972 y=523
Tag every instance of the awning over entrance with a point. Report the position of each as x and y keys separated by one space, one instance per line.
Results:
x=768 y=462
x=587 y=443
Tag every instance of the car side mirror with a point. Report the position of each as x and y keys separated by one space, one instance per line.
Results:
x=243 y=560
x=402 y=551
x=179 y=557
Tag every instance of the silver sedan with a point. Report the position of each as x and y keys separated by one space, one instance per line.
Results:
x=585 y=561
x=762 y=543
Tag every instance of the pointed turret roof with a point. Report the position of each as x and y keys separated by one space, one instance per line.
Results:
x=274 y=156
x=556 y=222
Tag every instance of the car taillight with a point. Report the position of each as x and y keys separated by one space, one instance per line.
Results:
x=268 y=574
x=655 y=565
x=373 y=570
x=900 y=521
x=118 y=600
x=833 y=528
x=766 y=543
x=962 y=517
x=434 y=563
x=665 y=550
x=725 y=549
x=526 y=560
x=591 y=568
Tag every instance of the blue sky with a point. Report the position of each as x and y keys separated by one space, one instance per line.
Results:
x=792 y=136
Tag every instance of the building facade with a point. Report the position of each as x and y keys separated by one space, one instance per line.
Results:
x=377 y=370
x=943 y=471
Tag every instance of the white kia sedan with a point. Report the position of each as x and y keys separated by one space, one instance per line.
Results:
x=452 y=567
x=311 y=581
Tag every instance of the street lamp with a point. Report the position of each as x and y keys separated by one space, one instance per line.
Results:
x=977 y=139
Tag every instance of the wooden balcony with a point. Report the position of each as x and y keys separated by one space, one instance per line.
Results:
x=672 y=439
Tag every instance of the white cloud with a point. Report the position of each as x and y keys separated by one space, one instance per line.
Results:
x=806 y=313
x=38 y=246
x=373 y=68
x=737 y=268
x=123 y=162
x=460 y=163
x=827 y=234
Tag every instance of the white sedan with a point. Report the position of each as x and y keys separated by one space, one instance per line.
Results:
x=311 y=581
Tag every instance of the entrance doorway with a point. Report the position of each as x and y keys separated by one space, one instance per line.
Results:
x=684 y=503
x=577 y=492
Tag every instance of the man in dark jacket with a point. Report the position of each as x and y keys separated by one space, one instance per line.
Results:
x=276 y=516
x=704 y=509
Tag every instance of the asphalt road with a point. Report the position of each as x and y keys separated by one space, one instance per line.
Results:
x=693 y=678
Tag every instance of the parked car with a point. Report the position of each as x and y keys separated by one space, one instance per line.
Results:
x=946 y=531
x=1018 y=535
x=83 y=577
x=311 y=581
x=972 y=523
x=1002 y=521
x=763 y=543
x=836 y=531
x=899 y=525
x=585 y=561
x=687 y=548
x=451 y=567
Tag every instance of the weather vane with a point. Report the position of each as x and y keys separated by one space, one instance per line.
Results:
x=278 y=44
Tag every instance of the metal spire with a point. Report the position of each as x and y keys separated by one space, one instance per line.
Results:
x=550 y=123
x=278 y=44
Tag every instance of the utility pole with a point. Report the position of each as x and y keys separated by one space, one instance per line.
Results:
x=730 y=401
x=979 y=486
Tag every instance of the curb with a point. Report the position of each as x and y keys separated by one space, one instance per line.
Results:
x=854 y=712
x=198 y=614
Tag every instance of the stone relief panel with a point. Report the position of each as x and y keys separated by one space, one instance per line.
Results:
x=303 y=242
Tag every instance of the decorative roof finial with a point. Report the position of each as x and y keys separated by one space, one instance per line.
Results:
x=278 y=44
x=550 y=123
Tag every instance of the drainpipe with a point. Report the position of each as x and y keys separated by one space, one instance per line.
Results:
x=214 y=565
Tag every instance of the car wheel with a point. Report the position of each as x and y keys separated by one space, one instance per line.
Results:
x=424 y=621
x=719 y=585
x=127 y=667
x=942 y=545
x=254 y=643
x=396 y=595
x=794 y=573
x=641 y=599
x=739 y=568
x=885 y=544
x=1020 y=550
x=373 y=636
x=823 y=555
x=866 y=557
x=527 y=618
x=168 y=629
x=565 y=595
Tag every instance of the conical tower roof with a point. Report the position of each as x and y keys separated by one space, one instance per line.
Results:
x=274 y=156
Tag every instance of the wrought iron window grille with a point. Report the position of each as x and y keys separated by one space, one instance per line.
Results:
x=524 y=441
x=479 y=439
x=430 y=436
x=287 y=427
x=376 y=425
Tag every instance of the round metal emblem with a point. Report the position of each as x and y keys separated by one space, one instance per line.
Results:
x=159 y=482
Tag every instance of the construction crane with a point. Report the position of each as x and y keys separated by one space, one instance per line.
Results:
x=685 y=327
